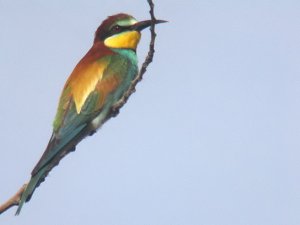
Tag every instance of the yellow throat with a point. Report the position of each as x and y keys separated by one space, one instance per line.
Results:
x=127 y=39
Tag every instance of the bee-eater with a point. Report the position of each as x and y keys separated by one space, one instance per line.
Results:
x=97 y=82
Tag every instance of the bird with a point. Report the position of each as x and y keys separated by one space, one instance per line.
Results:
x=98 y=81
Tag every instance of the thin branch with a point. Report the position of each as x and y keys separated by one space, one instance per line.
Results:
x=115 y=109
x=14 y=201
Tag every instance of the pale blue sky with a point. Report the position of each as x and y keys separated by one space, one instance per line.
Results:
x=211 y=137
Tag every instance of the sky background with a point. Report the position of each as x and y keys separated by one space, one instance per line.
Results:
x=211 y=137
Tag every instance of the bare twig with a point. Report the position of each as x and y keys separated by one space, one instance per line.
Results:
x=14 y=201
x=148 y=60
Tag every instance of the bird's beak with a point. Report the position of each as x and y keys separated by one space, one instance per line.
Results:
x=146 y=23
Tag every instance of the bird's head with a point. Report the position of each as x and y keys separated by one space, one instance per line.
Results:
x=121 y=31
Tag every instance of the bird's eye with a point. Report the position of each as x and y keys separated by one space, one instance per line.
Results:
x=116 y=28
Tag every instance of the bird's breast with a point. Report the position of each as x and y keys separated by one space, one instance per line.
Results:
x=116 y=80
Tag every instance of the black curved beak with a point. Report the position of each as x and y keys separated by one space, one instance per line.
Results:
x=144 y=24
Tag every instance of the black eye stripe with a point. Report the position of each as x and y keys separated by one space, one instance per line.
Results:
x=116 y=29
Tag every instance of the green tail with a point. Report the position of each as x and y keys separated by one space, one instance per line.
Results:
x=53 y=154
x=32 y=185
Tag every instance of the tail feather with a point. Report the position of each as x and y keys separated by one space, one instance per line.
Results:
x=55 y=147
x=32 y=185
x=50 y=159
